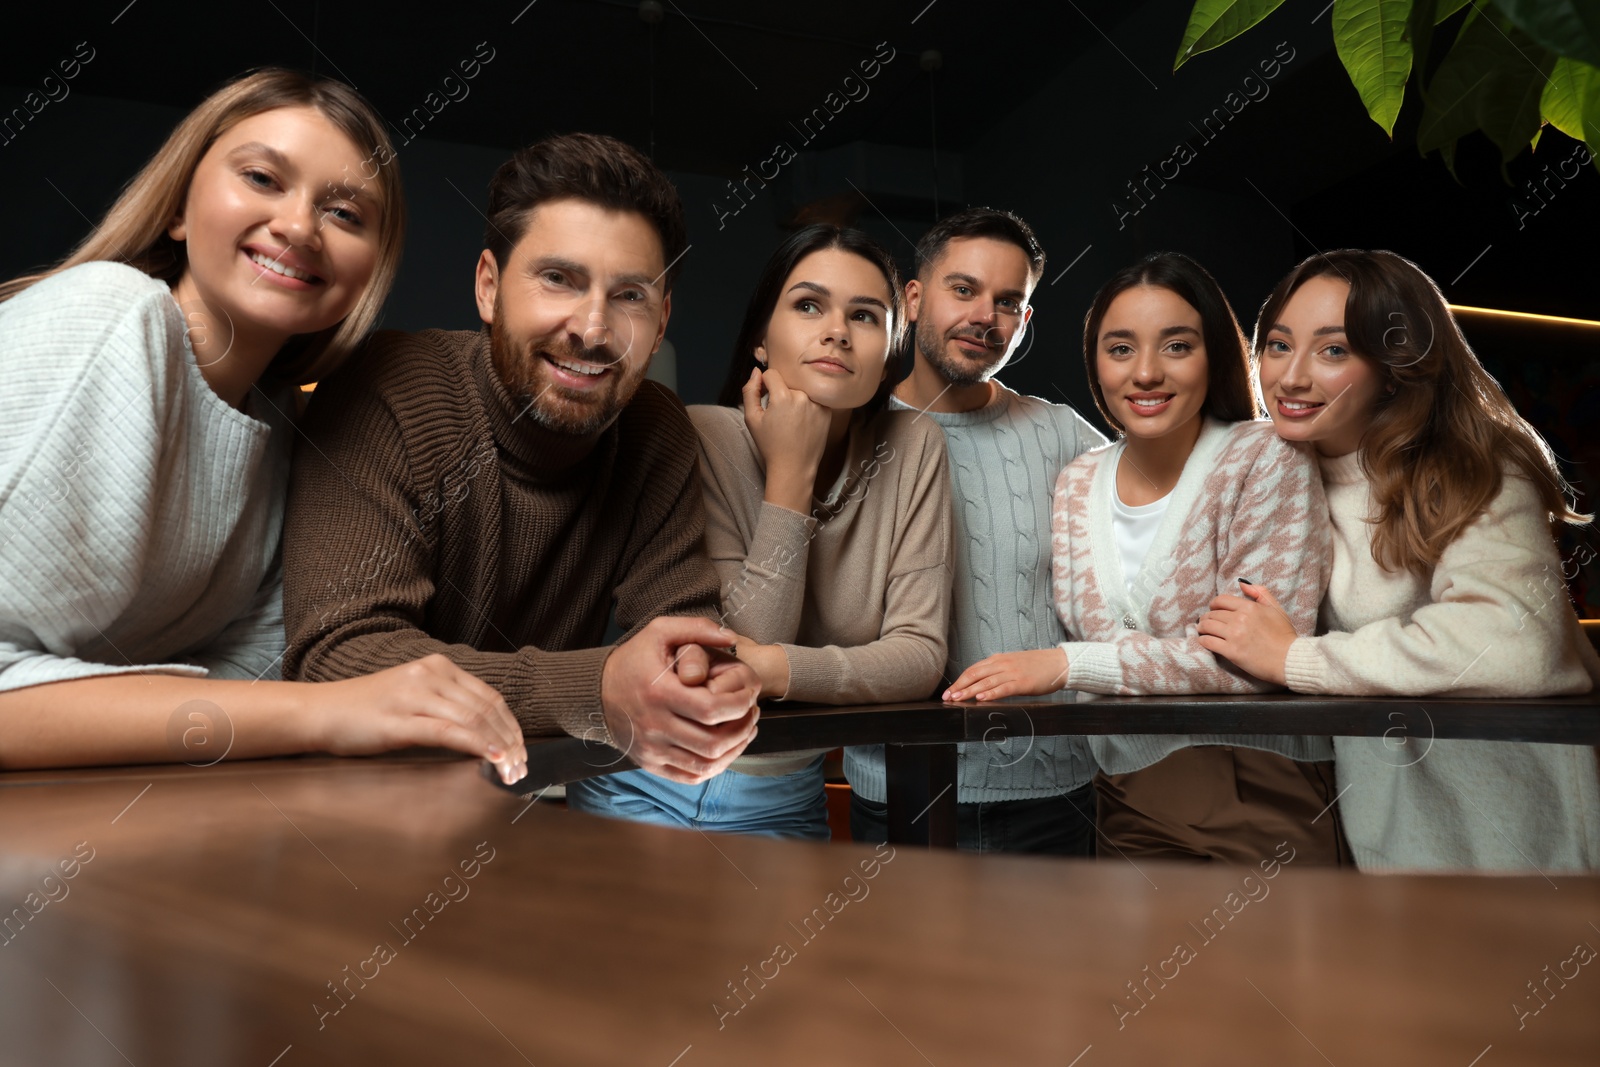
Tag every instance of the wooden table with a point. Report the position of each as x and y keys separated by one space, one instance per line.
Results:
x=921 y=738
x=216 y=906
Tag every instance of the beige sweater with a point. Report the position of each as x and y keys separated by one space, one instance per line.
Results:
x=1491 y=620
x=858 y=592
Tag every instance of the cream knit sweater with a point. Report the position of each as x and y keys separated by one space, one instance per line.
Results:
x=140 y=514
x=1491 y=620
x=1248 y=505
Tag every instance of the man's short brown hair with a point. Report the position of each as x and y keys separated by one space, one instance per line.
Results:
x=982 y=222
x=584 y=166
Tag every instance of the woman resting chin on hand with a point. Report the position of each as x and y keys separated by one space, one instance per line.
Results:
x=828 y=520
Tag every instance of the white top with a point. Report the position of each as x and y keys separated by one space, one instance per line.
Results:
x=140 y=514
x=1491 y=620
x=1135 y=526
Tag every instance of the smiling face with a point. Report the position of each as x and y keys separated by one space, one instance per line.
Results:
x=829 y=332
x=1151 y=361
x=970 y=308
x=576 y=312
x=1316 y=389
x=275 y=242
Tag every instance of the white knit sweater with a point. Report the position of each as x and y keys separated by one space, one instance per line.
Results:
x=1491 y=620
x=1247 y=505
x=139 y=513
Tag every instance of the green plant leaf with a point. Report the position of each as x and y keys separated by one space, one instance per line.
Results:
x=1448 y=8
x=1571 y=103
x=1566 y=98
x=1216 y=22
x=1370 y=37
x=1567 y=27
x=1448 y=154
x=1491 y=80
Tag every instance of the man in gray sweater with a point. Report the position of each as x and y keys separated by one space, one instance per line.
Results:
x=969 y=305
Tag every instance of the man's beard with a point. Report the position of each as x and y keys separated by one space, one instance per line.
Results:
x=956 y=370
x=553 y=406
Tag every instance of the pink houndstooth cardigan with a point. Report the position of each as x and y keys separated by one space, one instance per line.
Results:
x=1248 y=505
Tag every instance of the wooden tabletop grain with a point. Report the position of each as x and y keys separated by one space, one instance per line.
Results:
x=401 y=910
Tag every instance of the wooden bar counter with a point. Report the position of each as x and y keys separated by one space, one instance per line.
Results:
x=403 y=911
x=921 y=737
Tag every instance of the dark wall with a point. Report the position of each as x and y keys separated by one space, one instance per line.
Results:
x=53 y=194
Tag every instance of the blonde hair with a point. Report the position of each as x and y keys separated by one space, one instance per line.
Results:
x=134 y=230
x=1444 y=435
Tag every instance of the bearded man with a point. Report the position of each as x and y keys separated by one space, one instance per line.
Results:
x=969 y=305
x=493 y=495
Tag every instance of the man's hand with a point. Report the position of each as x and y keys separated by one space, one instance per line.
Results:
x=1009 y=674
x=1254 y=634
x=684 y=731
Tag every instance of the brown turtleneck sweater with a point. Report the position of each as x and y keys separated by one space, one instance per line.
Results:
x=427 y=514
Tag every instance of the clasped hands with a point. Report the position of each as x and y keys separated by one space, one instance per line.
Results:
x=673 y=702
x=674 y=708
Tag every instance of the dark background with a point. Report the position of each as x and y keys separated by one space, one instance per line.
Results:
x=1049 y=110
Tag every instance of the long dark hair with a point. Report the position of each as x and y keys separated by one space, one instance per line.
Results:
x=1228 y=393
x=758 y=313
x=1437 y=446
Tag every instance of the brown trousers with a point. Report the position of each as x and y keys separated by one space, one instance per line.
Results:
x=1221 y=803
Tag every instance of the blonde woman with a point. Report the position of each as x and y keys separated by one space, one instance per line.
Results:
x=145 y=431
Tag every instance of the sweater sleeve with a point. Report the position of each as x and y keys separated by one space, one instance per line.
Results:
x=764 y=581
x=1277 y=536
x=1499 y=623
x=907 y=660
x=92 y=361
x=359 y=568
x=666 y=571
x=251 y=647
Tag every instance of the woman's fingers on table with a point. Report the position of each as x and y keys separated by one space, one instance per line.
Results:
x=428 y=701
x=1005 y=674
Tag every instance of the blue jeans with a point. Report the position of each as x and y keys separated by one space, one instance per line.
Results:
x=784 y=805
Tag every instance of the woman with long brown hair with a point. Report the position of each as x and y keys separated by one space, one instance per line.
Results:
x=145 y=431
x=1445 y=573
x=1195 y=492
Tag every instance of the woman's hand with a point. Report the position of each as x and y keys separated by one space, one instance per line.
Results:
x=791 y=432
x=1009 y=674
x=429 y=701
x=771 y=664
x=1254 y=634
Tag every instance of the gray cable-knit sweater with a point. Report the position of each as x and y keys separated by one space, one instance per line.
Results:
x=140 y=514
x=1004 y=459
